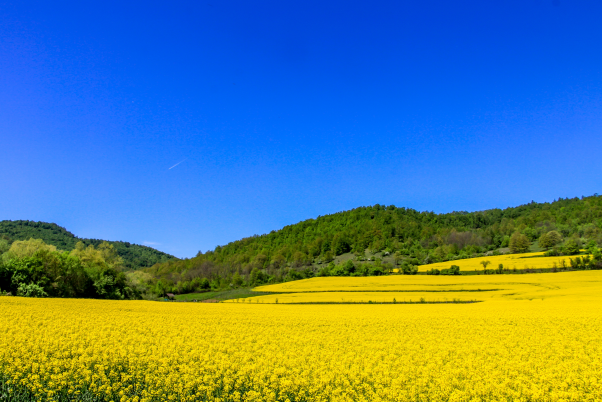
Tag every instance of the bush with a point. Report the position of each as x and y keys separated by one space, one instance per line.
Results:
x=453 y=270
x=324 y=271
x=576 y=263
x=376 y=270
x=409 y=269
x=570 y=247
x=31 y=290
x=553 y=252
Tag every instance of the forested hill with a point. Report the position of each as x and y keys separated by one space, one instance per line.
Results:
x=386 y=230
x=134 y=256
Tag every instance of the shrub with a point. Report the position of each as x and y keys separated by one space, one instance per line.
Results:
x=453 y=270
x=409 y=269
x=31 y=290
x=570 y=247
x=553 y=252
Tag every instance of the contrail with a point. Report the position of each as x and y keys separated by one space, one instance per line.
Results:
x=177 y=164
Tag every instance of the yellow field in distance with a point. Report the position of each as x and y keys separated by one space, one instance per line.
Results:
x=576 y=285
x=364 y=297
x=510 y=261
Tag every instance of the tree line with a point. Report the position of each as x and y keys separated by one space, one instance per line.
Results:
x=134 y=256
x=32 y=268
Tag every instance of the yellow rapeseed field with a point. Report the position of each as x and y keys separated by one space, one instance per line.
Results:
x=542 y=344
x=573 y=286
x=510 y=262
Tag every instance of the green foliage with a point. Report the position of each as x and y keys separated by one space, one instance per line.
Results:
x=519 y=243
x=407 y=268
x=549 y=239
x=33 y=269
x=134 y=256
x=453 y=270
x=31 y=290
x=570 y=247
x=555 y=252
x=257 y=277
x=4 y=245
x=596 y=255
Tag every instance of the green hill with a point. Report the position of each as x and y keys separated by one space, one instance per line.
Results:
x=134 y=256
x=385 y=235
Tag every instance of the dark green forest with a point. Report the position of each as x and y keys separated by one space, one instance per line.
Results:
x=374 y=240
x=134 y=256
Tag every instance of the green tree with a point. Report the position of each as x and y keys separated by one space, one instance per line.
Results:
x=328 y=256
x=205 y=285
x=237 y=280
x=484 y=264
x=257 y=277
x=570 y=247
x=160 y=289
x=519 y=243
x=4 y=246
x=278 y=261
x=549 y=239
x=409 y=269
x=27 y=248
x=31 y=290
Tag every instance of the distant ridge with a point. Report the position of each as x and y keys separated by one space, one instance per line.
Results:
x=134 y=256
x=378 y=238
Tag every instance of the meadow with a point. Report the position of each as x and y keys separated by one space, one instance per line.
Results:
x=534 y=337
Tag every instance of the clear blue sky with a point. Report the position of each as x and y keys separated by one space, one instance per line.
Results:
x=283 y=111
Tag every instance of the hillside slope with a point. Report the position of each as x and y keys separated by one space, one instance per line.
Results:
x=134 y=256
x=377 y=232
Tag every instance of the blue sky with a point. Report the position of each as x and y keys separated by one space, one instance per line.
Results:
x=283 y=111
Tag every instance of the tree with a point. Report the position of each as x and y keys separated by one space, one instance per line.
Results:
x=519 y=243
x=328 y=256
x=27 y=248
x=544 y=242
x=160 y=288
x=596 y=258
x=570 y=247
x=340 y=245
x=278 y=261
x=257 y=277
x=409 y=269
x=550 y=239
x=237 y=280
x=484 y=264
x=299 y=259
x=453 y=270
x=4 y=246
x=205 y=285
x=260 y=260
